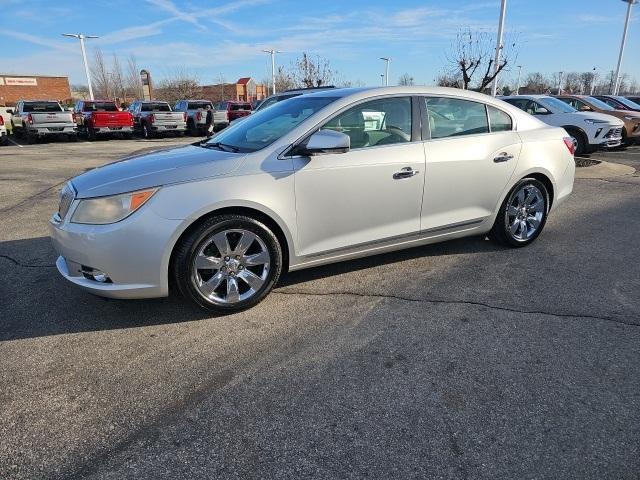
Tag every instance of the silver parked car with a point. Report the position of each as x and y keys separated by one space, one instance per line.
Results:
x=315 y=179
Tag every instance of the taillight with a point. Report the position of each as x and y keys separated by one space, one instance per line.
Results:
x=1 y=121
x=130 y=119
x=30 y=119
x=198 y=116
x=571 y=144
x=152 y=118
x=184 y=116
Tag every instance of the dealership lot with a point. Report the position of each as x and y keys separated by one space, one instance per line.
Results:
x=458 y=360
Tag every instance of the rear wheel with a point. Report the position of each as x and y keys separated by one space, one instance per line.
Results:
x=146 y=131
x=522 y=215
x=192 y=129
x=228 y=263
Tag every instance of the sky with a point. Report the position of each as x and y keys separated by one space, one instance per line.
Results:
x=214 y=38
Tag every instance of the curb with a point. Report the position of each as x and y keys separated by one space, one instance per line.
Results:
x=604 y=170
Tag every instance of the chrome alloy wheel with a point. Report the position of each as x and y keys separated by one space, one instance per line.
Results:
x=525 y=212
x=230 y=266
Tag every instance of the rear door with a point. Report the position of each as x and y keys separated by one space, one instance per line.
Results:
x=471 y=155
x=369 y=194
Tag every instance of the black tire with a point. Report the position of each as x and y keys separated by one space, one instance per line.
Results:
x=582 y=145
x=500 y=232
x=146 y=131
x=4 y=140
x=192 y=130
x=72 y=137
x=186 y=275
x=91 y=134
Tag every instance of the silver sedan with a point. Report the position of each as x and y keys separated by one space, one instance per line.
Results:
x=315 y=179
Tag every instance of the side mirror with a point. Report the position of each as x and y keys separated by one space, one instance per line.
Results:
x=324 y=142
x=586 y=108
x=541 y=111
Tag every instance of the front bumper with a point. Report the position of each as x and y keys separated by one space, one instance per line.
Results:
x=134 y=253
x=610 y=137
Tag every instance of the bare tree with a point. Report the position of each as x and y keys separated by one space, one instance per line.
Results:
x=405 y=80
x=449 y=80
x=472 y=58
x=177 y=85
x=309 y=73
x=536 y=82
x=102 y=84
x=133 y=83
x=117 y=79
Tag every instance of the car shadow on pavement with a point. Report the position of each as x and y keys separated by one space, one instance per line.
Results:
x=36 y=301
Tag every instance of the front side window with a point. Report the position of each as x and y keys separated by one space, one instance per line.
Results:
x=261 y=129
x=499 y=121
x=600 y=104
x=378 y=122
x=451 y=117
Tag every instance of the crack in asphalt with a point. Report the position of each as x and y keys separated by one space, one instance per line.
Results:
x=621 y=321
x=25 y=265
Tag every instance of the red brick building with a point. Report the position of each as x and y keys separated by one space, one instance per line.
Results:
x=244 y=90
x=33 y=87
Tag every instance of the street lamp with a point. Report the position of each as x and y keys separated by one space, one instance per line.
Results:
x=499 y=46
x=616 y=82
x=386 y=70
x=81 y=37
x=273 y=52
x=560 y=83
x=593 y=80
x=518 y=82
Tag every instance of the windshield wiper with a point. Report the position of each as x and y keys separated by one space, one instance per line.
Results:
x=222 y=146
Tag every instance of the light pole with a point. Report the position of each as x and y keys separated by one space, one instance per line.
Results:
x=273 y=52
x=499 y=46
x=593 y=81
x=386 y=70
x=81 y=37
x=518 y=83
x=560 y=83
x=616 y=82
x=382 y=79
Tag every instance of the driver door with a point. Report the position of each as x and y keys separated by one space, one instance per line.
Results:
x=369 y=194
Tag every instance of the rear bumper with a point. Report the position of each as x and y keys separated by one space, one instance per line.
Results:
x=53 y=130
x=113 y=129
x=169 y=127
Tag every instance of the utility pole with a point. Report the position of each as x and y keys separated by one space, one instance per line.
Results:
x=82 y=37
x=518 y=82
x=499 y=46
x=221 y=87
x=386 y=70
x=273 y=52
x=616 y=82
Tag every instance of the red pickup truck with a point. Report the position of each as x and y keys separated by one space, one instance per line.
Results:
x=102 y=117
x=234 y=109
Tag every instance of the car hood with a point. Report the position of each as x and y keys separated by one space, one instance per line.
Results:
x=601 y=116
x=154 y=169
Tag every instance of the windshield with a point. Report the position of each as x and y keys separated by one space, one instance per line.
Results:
x=556 y=106
x=628 y=103
x=265 y=127
x=41 y=107
x=156 y=107
x=599 y=104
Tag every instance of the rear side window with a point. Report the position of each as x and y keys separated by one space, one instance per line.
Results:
x=156 y=107
x=452 y=117
x=499 y=120
x=41 y=107
x=197 y=105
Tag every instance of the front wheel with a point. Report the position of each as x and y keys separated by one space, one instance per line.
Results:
x=522 y=215
x=228 y=263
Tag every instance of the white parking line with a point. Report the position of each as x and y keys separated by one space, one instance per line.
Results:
x=16 y=144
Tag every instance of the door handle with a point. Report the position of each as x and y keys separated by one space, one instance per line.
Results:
x=503 y=157
x=406 y=172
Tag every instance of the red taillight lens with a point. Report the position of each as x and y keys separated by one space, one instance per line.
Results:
x=152 y=118
x=130 y=119
x=30 y=119
x=1 y=120
x=570 y=143
x=198 y=116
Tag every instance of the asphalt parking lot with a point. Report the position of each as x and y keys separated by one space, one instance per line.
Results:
x=457 y=360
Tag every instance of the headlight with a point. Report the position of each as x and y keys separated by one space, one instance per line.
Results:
x=103 y=210
x=594 y=120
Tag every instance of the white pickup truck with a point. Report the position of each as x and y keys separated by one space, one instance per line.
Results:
x=152 y=118
x=197 y=116
x=33 y=119
x=589 y=130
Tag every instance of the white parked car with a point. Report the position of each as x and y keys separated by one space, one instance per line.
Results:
x=319 y=178
x=590 y=131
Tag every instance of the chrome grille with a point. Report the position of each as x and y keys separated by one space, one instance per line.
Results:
x=67 y=195
x=614 y=132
